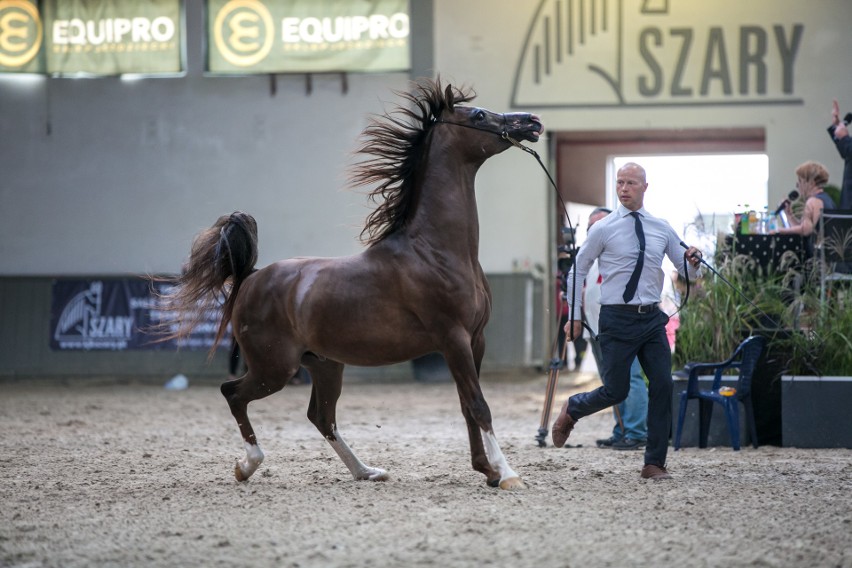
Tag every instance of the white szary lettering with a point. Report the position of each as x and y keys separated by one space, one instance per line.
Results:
x=110 y=327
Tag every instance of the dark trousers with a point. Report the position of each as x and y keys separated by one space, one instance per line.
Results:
x=624 y=335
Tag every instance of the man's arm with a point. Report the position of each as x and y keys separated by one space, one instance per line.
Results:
x=577 y=275
x=576 y=279
x=675 y=252
x=843 y=142
x=839 y=133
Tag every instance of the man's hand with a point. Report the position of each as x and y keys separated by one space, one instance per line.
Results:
x=693 y=256
x=574 y=329
x=840 y=129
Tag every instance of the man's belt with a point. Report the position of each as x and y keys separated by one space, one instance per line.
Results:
x=646 y=309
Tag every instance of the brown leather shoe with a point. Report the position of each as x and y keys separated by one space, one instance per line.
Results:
x=656 y=472
x=562 y=427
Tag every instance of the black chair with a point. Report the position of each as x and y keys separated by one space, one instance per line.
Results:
x=745 y=359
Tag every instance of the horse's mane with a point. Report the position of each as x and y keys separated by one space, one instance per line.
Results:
x=394 y=142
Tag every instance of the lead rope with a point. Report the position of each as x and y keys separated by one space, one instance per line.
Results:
x=556 y=362
x=571 y=313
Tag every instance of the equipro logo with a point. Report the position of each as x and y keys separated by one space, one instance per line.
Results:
x=244 y=32
x=20 y=33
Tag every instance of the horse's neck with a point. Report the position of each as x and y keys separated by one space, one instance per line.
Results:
x=446 y=217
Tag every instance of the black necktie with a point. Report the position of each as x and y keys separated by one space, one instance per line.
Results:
x=633 y=283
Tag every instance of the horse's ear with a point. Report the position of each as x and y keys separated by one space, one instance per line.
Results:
x=450 y=97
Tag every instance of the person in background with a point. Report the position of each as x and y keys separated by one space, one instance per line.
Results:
x=564 y=263
x=630 y=245
x=580 y=343
x=839 y=132
x=812 y=177
x=630 y=431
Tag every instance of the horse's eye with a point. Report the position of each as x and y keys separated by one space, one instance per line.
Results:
x=479 y=115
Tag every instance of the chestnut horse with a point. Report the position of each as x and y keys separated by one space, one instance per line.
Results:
x=417 y=288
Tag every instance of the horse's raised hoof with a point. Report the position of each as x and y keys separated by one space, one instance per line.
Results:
x=512 y=483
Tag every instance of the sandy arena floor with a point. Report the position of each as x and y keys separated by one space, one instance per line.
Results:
x=132 y=475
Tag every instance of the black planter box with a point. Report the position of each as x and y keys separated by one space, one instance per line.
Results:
x=815 y=412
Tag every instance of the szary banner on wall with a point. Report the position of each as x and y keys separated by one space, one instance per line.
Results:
x=307 y=36
x=640 y=53
x=118 y=314
x=96 y=37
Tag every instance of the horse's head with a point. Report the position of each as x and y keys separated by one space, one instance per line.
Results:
x=497 y=131
x=516 y=125
x=395 y=144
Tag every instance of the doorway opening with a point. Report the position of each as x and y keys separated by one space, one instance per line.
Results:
x=697 y=179
x=699 y=193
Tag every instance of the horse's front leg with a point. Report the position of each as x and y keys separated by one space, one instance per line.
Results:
x=486 y=458
x=326 y=385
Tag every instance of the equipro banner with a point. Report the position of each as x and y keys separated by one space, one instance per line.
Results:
x=117 y=314
x=307 y=36
x=111 y=37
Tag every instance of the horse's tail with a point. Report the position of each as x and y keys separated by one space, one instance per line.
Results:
x=222 y=257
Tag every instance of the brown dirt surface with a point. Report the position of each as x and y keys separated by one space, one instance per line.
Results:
x=111 y=474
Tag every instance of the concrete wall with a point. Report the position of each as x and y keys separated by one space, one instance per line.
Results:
x=108 y=176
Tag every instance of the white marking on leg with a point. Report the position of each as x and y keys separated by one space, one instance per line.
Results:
x=356 y=466
x=253 y=459
x=498 y=461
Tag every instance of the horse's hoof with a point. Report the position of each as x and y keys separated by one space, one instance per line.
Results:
x=512 y=483
x=375 y=474
x=238 y=473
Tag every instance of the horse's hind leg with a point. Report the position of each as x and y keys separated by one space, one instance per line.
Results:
x=326 y=385
x=239 y=393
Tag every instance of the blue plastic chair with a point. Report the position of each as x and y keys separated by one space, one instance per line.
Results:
x=745 y=358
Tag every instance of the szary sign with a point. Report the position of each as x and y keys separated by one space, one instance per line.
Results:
x=118 y=314
x=307 y=36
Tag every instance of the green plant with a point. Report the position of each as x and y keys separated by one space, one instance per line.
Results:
x=808 y=334
x=833 y=191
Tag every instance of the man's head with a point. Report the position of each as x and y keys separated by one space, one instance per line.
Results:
x=598 y=214
x=630 y=185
